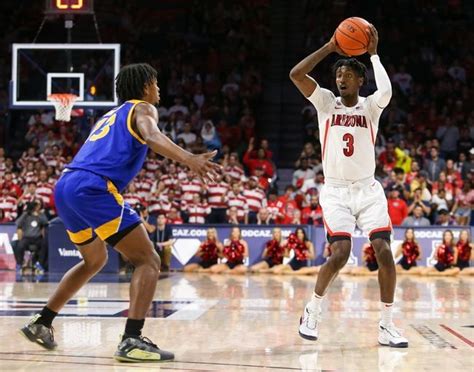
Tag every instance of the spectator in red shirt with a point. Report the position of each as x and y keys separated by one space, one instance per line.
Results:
x=272 y=204
x=397 y=208
x=263 y=181
x=3 y=217
x=313 y=213
x=287 y=206
x=260 y=161
x=173 y=217
x=266 y=147
x=8 y=204
x=452 y=175
x=387 y=158
x=8 y=184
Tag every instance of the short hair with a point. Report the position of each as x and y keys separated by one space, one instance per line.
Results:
x=131 y=80
x=358 y=67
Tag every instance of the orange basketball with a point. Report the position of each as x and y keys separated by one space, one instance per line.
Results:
x=352 y=37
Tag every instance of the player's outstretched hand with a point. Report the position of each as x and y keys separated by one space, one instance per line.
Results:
x=374 y=40
x=334 y=47
x=202 y=165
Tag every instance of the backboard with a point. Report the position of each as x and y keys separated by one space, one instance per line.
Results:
x=87 y=70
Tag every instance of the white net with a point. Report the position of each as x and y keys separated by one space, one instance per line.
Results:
x=63 y=104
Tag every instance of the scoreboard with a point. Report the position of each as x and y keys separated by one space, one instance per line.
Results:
x=69 y=7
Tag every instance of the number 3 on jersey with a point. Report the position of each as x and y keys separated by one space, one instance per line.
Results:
x=349 y=140
x=102 y=128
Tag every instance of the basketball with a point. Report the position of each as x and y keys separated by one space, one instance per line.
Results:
x=352 y=37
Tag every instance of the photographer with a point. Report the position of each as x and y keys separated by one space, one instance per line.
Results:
x=147 y=220
x=31 y=231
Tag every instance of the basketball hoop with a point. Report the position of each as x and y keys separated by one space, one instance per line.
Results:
x=63 y=103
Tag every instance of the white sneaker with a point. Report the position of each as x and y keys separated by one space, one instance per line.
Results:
x=390 y=336
x=309 y=323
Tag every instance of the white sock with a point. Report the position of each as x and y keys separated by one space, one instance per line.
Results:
x=315 y=303
x=386 y=313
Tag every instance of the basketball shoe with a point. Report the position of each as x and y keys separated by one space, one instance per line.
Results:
x=39 y=333
x=309 y=324
x=140 y=350
x=390 y=336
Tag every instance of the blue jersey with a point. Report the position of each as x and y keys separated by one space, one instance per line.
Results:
x=113 y=149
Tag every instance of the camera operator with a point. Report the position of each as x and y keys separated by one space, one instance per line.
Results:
x=147 y=220
x=31 y=231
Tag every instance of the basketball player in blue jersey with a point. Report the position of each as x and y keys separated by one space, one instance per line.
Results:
x=88 y=201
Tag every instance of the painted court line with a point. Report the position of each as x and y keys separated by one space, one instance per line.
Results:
x=193 y=310
x=156 y=365
x=458 y=335
x=167 y=365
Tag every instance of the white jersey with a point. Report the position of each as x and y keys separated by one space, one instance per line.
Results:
x=347 y=135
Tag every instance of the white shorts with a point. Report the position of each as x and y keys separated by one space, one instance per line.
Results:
x=347 y=204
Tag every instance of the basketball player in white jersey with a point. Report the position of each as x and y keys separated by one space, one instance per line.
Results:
x=350 y=196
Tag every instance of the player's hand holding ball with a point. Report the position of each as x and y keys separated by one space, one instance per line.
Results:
x=374 y=40
x=334 y=47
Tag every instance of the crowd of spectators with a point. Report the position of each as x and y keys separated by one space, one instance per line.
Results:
x=209 y=57
x=209 y=62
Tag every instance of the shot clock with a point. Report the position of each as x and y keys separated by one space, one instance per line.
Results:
x=69 y=7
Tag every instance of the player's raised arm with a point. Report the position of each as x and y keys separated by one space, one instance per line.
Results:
x=146 y=119
x=299 y=74
x=384 y=88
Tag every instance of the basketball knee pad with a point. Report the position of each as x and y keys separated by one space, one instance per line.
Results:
x=337 y=238
x=385 y=235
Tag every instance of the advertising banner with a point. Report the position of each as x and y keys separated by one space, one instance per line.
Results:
x=189 y=237
x=63 y=254
x=427 y=237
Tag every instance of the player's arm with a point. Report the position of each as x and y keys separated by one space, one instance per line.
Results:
x=299 y=74
x=146 y=121
x=384 y=87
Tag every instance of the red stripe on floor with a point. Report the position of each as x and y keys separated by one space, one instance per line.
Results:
x=458 y=335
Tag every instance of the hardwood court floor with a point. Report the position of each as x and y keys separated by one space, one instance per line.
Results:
x=249 y=323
